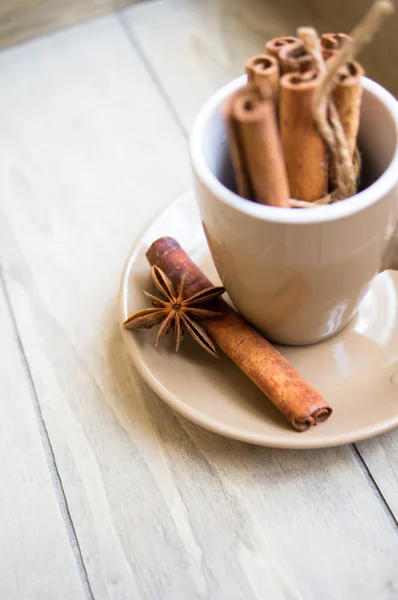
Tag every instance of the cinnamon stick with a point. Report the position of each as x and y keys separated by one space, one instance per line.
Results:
x=332 y=43
x=254 y=125
x=295 y=58
x=303 y=148
x=236 y=151
x=263 y=72
x=274 y=46
x=267 y=368
x=347 y=95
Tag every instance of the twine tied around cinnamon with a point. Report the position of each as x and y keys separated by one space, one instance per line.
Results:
x=346 y=168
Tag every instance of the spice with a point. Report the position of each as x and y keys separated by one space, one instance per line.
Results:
x=236 y=151
x=318 y=108
x=255 y=146
x=343 y=175
x=177 y=311
x=295 y=58
x=303 y=147
x=332 y=43
x=347 y=96
x=263 y=72
x=267 y=368
x=276 y=45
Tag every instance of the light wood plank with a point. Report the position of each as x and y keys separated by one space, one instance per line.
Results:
x=23 y=19
x=36 y=558
x=161 y=508
x=88 y=155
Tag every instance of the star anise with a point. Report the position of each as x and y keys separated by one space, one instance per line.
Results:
x=177 y=311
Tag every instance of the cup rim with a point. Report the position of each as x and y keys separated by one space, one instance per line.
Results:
x=322 y=213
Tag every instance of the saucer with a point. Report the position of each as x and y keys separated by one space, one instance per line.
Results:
x=356 y=370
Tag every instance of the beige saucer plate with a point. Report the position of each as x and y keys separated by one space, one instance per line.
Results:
x=356 y=370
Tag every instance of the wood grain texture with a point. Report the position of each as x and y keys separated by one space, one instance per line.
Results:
x=24 y=19
x=89 y=152
x=36 y=557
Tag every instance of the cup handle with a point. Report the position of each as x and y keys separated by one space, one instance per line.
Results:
x=390 y=258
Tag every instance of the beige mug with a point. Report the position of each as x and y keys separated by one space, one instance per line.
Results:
x=299 y=275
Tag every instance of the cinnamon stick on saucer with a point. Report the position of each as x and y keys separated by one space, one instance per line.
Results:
x=263 y=72
x=303 y=147
x=255 y=146
x=347 y=96
x=267 y=368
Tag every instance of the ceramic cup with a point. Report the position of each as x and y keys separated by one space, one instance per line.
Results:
x=299 y=275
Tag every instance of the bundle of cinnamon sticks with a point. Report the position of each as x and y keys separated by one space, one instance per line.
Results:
x=277 y=151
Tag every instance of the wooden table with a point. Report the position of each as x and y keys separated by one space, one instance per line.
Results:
x=105 y=492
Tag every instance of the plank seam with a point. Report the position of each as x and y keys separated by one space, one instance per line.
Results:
x=49 y=453
x=151 y=72
x=375 y=487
